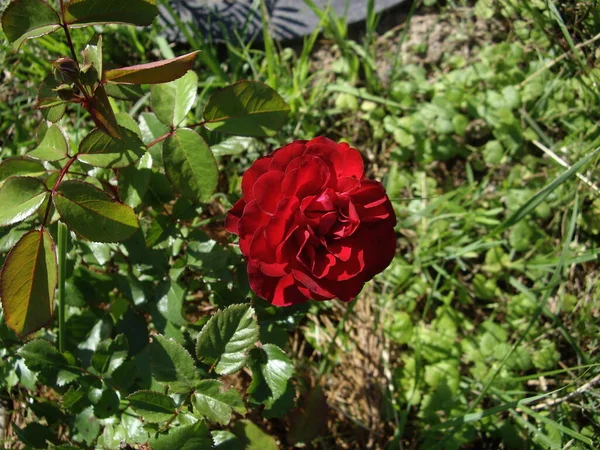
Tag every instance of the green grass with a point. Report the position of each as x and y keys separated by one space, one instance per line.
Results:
x=487 y=320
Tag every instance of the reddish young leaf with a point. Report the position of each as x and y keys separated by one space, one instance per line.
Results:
x=102 y=113
x=27 y=282
x=152 y=73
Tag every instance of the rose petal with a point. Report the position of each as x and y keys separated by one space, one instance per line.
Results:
x=267 y=190
x=380 y=248
x=234 y=215
x=348 y=220
x=311 y=284
x=306 y=249
x=252 y=219
x=346 y=291
x=319 y=212
x=347 y=184
x=260 y=166
x=355 y=264
x=278 y=226
x=287 y=293
x=264 y=257
x=344 y=160
x=307 y=175
x=310 y=294
x=351 y=162
x=262 y=285
x=370 y=194
x=342 y=249
x=283 y=156
x=323 y=262
x=289 y=246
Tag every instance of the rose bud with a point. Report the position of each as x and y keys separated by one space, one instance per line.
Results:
x=66 y=70
x=311 y=226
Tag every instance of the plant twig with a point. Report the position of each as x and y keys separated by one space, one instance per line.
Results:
x=65 y=26
x=580 y=390
x=566 y=165
x=557 y=60
x=159 y=139
x=61 y=175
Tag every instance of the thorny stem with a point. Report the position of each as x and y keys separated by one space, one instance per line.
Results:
x=158 y=140
x=70 y=41
x=170 y=133
x=65 y=26
x=199 y=124
x=61 y=175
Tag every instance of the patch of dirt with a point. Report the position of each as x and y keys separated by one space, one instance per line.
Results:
x=432 y=37
x=357 y=385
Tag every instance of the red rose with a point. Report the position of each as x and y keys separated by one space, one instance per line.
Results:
x=310 y=225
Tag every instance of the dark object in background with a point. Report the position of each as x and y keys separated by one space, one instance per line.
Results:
x=290 y=19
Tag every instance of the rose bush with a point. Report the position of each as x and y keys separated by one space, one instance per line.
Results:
x=311 y=226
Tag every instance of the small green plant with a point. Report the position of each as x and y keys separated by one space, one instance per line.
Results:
x=106 y=185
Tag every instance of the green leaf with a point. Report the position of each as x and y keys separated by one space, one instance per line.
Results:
x=271 y=371
x=134 y=12
x=91 y=69
x=110 y=355
x=86 y=426
x=170 y=363
x=53 y=147
x=14 y=167
x=34 y=435
x=233 y=145
x=216 y=406
x=40 y=355
x=280 y=407
x=253 y=437
x=52 y=106
x=172 y=101
x=75 y=400
x=103 y=114
x=154 y=72
x=27 y=282
x=190 y=165
x=103 y=150
x=161 y=229
x=184 y=437
x=171 y=296
x=126 y=121
x=152 y=406
x=20 y=198
x=151 y=128
x=225 y=440
x=134 y=181
x=27 y=19
x=124 y=91
x=246 y=108
x=94 y=214
x=226 y=338
x=105 y=401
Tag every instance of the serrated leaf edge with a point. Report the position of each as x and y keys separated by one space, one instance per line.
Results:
x=214 y=318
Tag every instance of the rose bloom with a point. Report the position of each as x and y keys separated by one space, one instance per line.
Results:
x=311 y=225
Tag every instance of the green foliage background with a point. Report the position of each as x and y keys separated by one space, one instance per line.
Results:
x=486 y=323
